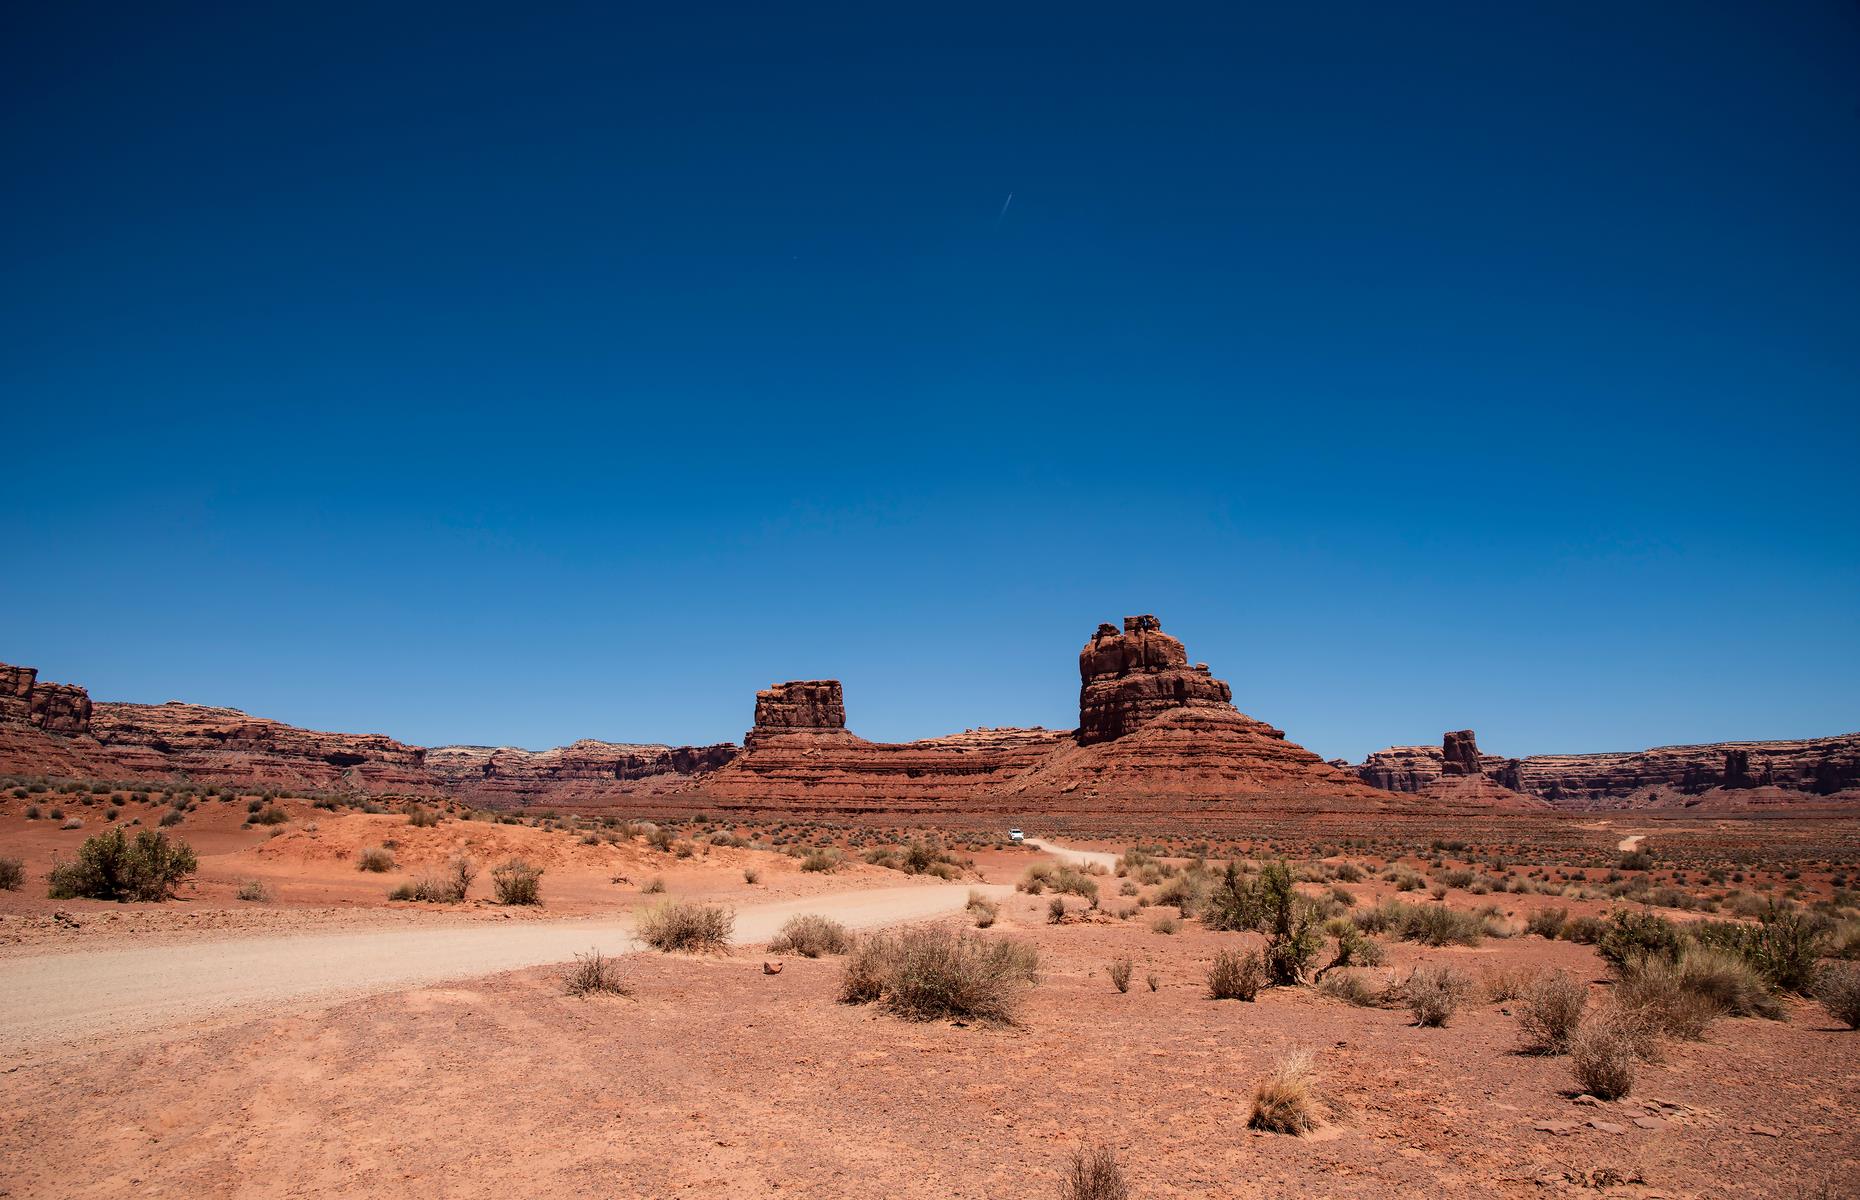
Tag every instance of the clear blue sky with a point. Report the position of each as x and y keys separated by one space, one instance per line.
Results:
x=522 y=373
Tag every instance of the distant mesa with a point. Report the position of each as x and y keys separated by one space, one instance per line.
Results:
x=1156 y=737
x=1663 y=776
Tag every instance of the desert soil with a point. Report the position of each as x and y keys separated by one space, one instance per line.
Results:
x=329 y=1043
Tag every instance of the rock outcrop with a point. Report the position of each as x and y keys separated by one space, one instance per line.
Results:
x=803 y=704
x=1809 y=767
x=582 y=769
x=53 y=707
x=1127 y=679
x=1459 y=754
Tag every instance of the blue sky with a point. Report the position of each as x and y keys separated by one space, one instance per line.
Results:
x=475 y=375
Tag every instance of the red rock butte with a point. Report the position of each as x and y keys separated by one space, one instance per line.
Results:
x=1157 y=737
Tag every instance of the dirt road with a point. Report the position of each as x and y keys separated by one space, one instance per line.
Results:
x=55 y=998
x=1631 y=843
x=1083 y=858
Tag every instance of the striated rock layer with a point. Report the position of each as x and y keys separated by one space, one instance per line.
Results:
x=1807 y=768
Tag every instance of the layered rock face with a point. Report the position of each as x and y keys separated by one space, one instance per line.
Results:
x=226 y=745
x=1810 y=767
x=584 y=768
x=53 y=707
x=1155 y=734
x=1129 y=678
x=802 y=704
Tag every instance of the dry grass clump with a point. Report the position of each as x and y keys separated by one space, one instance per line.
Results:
x=1682 y=997
x=936 y=972
x=1547 y=922
x=652 y=887
x=447 y=888
x=1286 y=1100
x=254 y=889
x=1060 y=878
x=375 y=859
x=1350 y=987
x=1119 y=970
x=688 y=926
x=1606 y=1049
x=1235 y=976
x=517 y=882
x=1506 y=983
x=1166 y=924
x=1838 y=989
x=1552 y=1011
x=811 y=936
x=983 y=910
x=595 y=973
x=1094 y=1175
x=1435 y=992
x=12 y=874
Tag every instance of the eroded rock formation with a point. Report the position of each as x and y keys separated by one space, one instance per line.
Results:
x=1809 y=767
x=1129 y=678
x=53 y=707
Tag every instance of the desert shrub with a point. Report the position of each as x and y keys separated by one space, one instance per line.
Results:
x=269 y=815
x=1188 y=892
x=1654 y=987
x=445 y=887
x=1550 y=1012
x=1547 y=922
x=982 y=910
x=934 y=972
x=1732 y=983
x=595 y=973
x=686 y=925
x=173 y=816
x=1635 y=860
x=1119 y=971
x=1153 y=980
x=73 y=823
x=652 y=887
x=1035 y=878
x=811 y=936
x=1342 y=895
x=1165 y=924
x=1501 y=984
x=658 y=838
x=111 y=867
x=375 y=859
x=751 y=875
x=517 y=882
x=1270 y=904
x=1438 y=925
x=1604 y=1052
x=1628 y=934
x=1056 y=910
x=1351 y=988
x=1094 y=1175
x=12 y=874
x=1837 y=986
x=821 y=860
x=1584 y=930
x=1354 y=949
x=32 y=812
x=1236 y=976
x=254 y=889
x=1286 y=1100
x=1434 y=993
x=422 y=818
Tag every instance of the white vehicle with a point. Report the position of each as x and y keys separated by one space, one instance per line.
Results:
x=1016 y=836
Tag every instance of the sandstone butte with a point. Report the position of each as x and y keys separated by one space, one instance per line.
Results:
x=1156 y=734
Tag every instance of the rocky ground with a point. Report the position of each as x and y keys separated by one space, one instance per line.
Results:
x=714 y=1078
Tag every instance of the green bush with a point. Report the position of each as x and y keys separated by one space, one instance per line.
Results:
x=1270 y=904
x=1628 y=934
x=111 y=867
